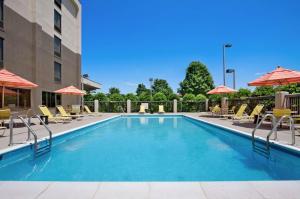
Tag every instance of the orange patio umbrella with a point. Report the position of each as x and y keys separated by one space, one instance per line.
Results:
x=279 y=76
x=70 y=90
x=221 y=90
x=8 y=79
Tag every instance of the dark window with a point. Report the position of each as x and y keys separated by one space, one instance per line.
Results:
x=58 y=3
x=57 y=21
x=57 y=46
x=48 y=99
x=58 y=99
x=57 y=72
x=1 y=13
x=1 y=52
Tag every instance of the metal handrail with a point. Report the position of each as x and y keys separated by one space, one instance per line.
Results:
x=49 y=131
x=258 y=124
x=292 y=129
x=29 y=130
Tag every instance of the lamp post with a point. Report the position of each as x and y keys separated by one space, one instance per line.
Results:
x=151 y=82
x=233 y=75
x=224 y=64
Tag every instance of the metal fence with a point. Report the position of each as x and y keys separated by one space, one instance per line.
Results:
x=152 y=106
x=293 y=102
x=191 y=106
x=267 y=101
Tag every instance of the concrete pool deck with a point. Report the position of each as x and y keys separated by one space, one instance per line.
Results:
x=149 y=190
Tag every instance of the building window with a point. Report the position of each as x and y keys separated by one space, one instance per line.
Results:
x=57 y=21
x=1 y=52
x=57 y=46
x=57 y=72
x=49 y=99
x=1 y=13
x=58 y=3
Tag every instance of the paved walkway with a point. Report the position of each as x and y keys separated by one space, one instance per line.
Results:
x=20 y=134
x=284 y=135
x=149 y=190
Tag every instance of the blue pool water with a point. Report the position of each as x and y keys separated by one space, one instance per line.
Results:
x=167 y=148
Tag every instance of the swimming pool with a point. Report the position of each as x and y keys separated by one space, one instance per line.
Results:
x=150 y=148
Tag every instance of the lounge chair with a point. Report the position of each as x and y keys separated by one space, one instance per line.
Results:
x=256 y=111
x=4 y=115
x=89 y=112
x=216 y=110
x=142 y=109
x=240 y=113
x=45 y=111
x=161 y=109
x=63 y=113
x=232 y=110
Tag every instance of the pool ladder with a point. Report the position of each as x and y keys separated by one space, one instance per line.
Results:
x=266 y=149
x=39 y=147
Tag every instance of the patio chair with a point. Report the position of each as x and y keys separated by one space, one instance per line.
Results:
x=56 y=119
x=63 y=113
x=142 y=109
x=240 y=113
x=216 y=110
x=89 y=112
x=4 y=115
x=161 y=109
x=232 y=110
x=256 y=111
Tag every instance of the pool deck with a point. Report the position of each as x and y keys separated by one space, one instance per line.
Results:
x=149 y=190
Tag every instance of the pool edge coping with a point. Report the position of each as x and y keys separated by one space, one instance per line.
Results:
x=284 y=146
x=28 y=143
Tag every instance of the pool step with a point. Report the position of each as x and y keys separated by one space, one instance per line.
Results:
x=43 y=149
x=261 y=150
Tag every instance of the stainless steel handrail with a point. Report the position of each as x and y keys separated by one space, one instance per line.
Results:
x=258 y=124
x=49 y=131
x=30 y=131
x=11 y=123
x=292 y=129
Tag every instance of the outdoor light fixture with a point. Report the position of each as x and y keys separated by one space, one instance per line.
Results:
x=228 y=45
x=233 y=75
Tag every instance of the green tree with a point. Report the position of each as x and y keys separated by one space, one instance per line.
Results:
x=173 y=96
x=114 y=90
x=161 y=86
x=242 y=93
x=131 y=96
x=291 y=88
x=88 y=97
x=264 y=91
x=159 y=96
x=200 y=97
x=101 y=97
x=145 y=96
x=141 y=89
x=197 y=80
x=189 y=97
x=116 y=97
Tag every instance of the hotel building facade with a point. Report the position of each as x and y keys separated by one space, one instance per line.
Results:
x=40 y=40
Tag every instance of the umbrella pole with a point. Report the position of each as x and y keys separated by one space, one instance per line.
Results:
x=3 y=96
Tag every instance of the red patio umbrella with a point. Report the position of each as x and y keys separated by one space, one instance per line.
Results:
x=70 y=90
x=8 y=79
x=279 y=76
x=221 y=90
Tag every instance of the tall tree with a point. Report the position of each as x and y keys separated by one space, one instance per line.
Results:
x=161 y=86
x=263 y=91
x=114 y=90
x=141 y=88
x=197 y=80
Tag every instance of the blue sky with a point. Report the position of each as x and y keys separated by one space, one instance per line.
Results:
x=125 y=42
